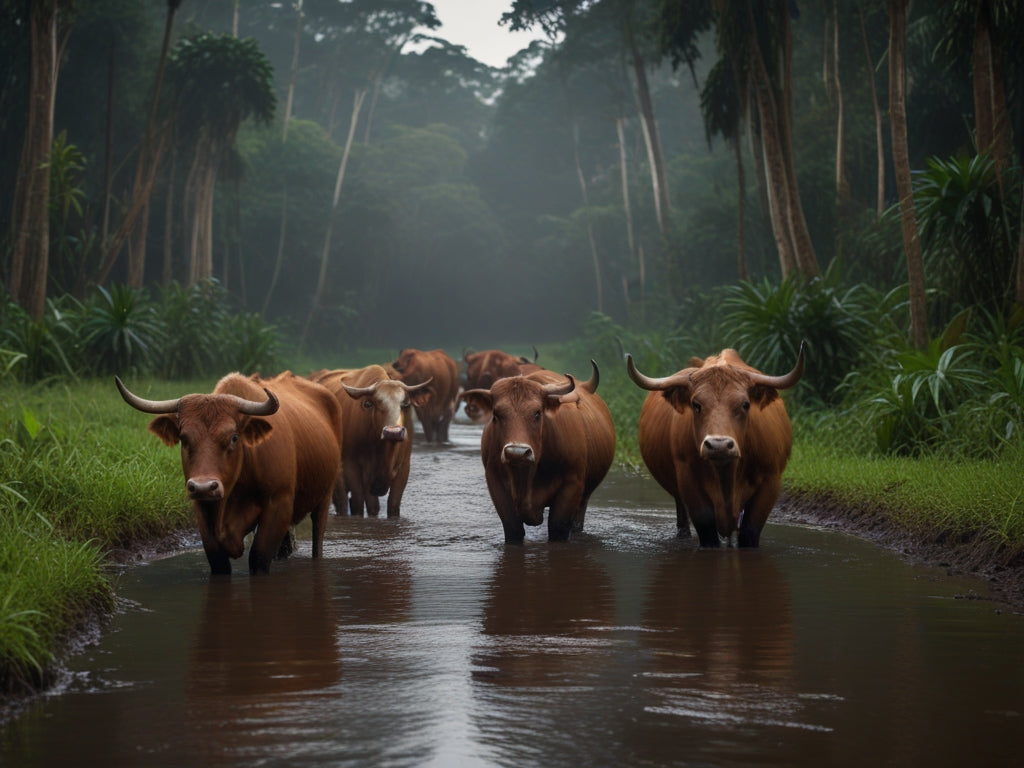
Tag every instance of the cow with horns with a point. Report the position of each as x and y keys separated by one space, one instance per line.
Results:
x=549 y=443
x=716 y=436
x=377 y=440
x=257 y=454
x=440 y=372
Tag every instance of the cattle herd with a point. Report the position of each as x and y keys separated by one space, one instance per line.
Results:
x=261 y=454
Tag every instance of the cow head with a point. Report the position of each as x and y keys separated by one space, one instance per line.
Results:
x=718 y=394
x=519 y=407
x=386 y=403
x=213 y=431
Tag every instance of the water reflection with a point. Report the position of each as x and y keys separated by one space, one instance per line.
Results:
x=544 y=648
x=262 y=651
x=723 y=617
x=424 y=640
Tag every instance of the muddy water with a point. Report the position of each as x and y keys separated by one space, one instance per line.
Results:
x=426 y=641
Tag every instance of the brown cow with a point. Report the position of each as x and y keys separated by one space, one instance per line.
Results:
x=257 y=454
x=376 y=444
x=548 y=444
x=716 y=437
x=414 y=366
x=482 y=369
x=487 y=366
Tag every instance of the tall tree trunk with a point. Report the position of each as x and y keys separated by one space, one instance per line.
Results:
x=290 y=100
x=803 y=247
x=108 y=146
x=167 y=273
x=31 y=209
x=626 y=207
x=594 y=257
x=741 y=211
x=776 y=187
x=901 y=163
x=842 y=182
x=283 y=227
x=879 y=141
x=656 y=157
x=150 y=152
x=321 y=280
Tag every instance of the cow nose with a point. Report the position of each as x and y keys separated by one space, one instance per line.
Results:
x=517 y=453
x=719 y=448
x=204 y=489
x=395 y=434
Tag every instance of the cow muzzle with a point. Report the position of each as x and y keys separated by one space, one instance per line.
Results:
x=719 y=449
x=393 y=434
x=204 y=489
x=518 y=454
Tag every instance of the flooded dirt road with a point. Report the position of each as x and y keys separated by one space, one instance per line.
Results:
x=426 y=641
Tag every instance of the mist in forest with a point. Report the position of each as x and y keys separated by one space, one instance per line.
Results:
x=345 y=172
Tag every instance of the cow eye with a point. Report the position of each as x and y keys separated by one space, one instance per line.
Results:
x=745 y=405
x=234 y=440
x=696 y=406
x=536 y=416
x=406 y=403
x=367 y=404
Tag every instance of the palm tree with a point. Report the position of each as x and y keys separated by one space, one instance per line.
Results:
x=219 y=81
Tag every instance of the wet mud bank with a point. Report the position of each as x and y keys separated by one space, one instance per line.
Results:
x=962 y=557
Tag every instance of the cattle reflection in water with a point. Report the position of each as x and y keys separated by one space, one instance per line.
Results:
x=261 y=651
x=545 y=645
x=542 y=608
x=722 y=617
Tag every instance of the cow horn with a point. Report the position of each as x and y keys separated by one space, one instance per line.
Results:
x=417 y=387
x=361 y=391
x=257 y=407
x=647 y=382
x=536 y=354
x=560 y=390
x=595 y=378
x=786 y=381
x=146 y=406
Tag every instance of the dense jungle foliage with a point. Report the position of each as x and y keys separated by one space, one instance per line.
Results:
x=204 y=187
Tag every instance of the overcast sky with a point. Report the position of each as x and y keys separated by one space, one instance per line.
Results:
x=474 y=24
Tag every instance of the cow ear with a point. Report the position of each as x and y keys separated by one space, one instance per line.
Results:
x=678 y=397
x=479 y=405
x=421 y=398
x=166 y=428
x=255 y=431
x=762 y=395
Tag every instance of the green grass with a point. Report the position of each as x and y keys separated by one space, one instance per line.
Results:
x=82 y=478
x=942 y=498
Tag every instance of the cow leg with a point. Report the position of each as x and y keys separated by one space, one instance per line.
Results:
x=220 y=563
x=356 y=502
x=756 y=511
x=272 y=528
x=397 y=490
x=682 y=521
x=319 y=518
x=515 y=531
x=566 y=512
x=340 y=498
x=287 y=546
x=372 y=505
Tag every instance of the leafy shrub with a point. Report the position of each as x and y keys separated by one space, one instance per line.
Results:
x=766 y=323
x=963 y=394
x=966 y=242
x=48 y=348
x=122 y=332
